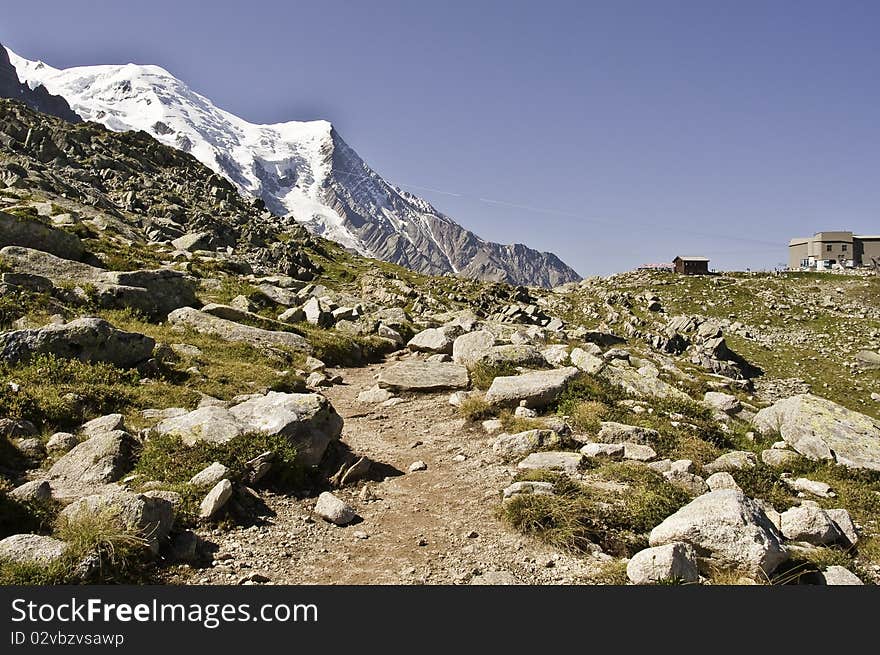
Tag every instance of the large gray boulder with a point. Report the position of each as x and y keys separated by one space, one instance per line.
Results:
x=536 y=388
x=726 y=529
x=435 y=340
x=308 y=420
x=587 y=362
x=103 y=458
x=86 y=339
x=32 y=549
x=674 y=562
x=823 y=430
x=520 y=444
x=424 y=376
x=29 y=233
x=150 y=517
x=470 y=348
x=811 y=524
x=187 y=317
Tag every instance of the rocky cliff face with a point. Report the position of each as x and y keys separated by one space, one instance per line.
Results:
x=302 y=170
x=37 y=98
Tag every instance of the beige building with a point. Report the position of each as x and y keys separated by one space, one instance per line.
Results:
x=825 y=250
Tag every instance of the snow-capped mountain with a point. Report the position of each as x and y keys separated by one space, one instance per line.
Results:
x=303 y=170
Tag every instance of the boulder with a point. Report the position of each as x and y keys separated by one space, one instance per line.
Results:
x=686 y=481
x=612 y=432
x=779 y=458
x=839 y=576
x=612 y=451
x=523 y=355
x=210 y=475
x=332 y=509
x=103 y=458
x=556 y=355
x=308 y=420
x=210 y=423
x=435 y=340
x=727 y=529
x=38 y=491
x=187 y=317
x=673 y=562
x=91 y=340
x=509 y=446
x=30 y=233
x=723 y=402
x=823 y=430
x=424 y=376
x=374 y=395
x=810 y=524
x=563 y=461
x=845 y=524
x=102 y=424
x=537 y=388
x=722 y=480
x=215 y=500
x=317 y=313
x=868 y=359
x=469 y=349
x=587 y=362
x=153 y=292
x=150 y=517
x=32 y=549
x=638 y=452
x=194 y=241
x=735 y=460
x=526 y=488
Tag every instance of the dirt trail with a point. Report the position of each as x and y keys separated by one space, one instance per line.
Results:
x=437 y=526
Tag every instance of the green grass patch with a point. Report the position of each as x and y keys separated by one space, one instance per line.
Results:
x=581 y=514
x=482 y=374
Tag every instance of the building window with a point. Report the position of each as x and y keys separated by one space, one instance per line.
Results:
x=843 y=247
x=829 y=247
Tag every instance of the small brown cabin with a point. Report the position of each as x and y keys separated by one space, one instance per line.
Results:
x=691 y=265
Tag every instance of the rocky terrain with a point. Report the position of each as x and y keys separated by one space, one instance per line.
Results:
x=191 y=392
x=303 y=171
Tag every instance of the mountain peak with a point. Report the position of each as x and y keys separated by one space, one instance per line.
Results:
x=302 y=170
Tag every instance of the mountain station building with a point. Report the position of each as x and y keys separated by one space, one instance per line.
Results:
x=826 y=250
x=691 y=265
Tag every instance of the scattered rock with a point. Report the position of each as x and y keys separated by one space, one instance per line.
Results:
x=424 y=376
x=809 y=524
x=418 y=466
x=612 y=432
x=103 y=458
x=215 y=500
x=725 y=528
x=537 y=388
x=210 y=475
x=612 y=451
x=332 y=509
x=565 y=462
x=526 y=488
x=38 y=491
x=722 y=480
x=839 y=576
x=723 y=402
x=673 y=562
x=32 y=548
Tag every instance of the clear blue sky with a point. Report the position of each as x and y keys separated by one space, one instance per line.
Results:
x=628 y=132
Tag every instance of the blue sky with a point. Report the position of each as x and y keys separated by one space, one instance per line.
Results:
x=612 y=133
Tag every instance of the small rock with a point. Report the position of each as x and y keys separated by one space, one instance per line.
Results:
x=418 y=465
x=722 y=480
x=638 y=452
x=210 y=476
x=526 y=488
x=61 y=442
x=671 y=562
x=839 y=576
x=216 y=499
x=612 y=451
x=35 y=491
x=332 y=509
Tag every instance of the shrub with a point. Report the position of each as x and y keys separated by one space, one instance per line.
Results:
x=475 y=409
